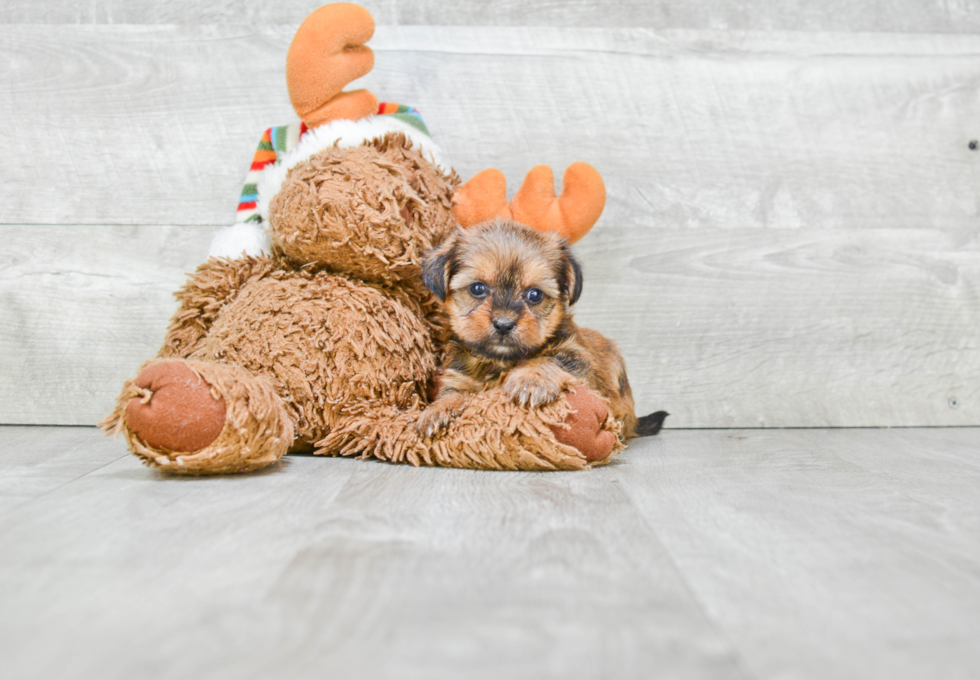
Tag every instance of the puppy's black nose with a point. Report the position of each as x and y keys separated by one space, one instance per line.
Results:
x=504 y=325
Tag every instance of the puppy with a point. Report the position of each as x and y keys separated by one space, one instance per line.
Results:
x=507 y=290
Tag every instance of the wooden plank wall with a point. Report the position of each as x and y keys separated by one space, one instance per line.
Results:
x=894 y=16
x=791 y=237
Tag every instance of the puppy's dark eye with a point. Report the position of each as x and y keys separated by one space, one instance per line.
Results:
x=534 y=296
x=478 y=289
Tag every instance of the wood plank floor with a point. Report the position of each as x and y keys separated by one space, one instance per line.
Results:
x=697 y=554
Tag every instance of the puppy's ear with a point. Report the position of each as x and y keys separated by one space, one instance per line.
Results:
x=570 y=279
x=437 y=265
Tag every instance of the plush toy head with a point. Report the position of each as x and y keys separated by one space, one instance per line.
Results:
x=371 y=211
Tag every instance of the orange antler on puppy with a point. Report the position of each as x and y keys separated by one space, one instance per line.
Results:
x=572 y=214
x=327 y=53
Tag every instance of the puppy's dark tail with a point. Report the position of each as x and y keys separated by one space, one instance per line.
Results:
x=651 y=424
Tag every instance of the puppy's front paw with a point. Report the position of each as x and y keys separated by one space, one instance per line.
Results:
x=534 y=386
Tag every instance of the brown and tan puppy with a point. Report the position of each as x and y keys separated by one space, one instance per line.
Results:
x=507 y=290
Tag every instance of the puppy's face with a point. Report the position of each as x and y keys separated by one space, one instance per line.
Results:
x=506 y=287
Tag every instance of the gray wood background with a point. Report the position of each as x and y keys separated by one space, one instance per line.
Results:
x=791 y=237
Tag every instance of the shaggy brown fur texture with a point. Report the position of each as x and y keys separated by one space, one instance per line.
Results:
x=332 y=340
x=374 y=210
x=507 y=289
x=255 y=434
x=491 y=433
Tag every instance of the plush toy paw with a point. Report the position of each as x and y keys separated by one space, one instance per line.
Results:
x=583 y=428
x=177 y=411
x=194 y=417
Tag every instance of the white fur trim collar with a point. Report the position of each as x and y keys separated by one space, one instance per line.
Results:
x=244 y=238
x=345 y=134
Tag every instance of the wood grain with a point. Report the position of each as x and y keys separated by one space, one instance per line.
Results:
x=343 y=568
x=83 y=308
x=796 y=328
x=825 y=554
x=35 y=461
x=748 y=328
x=790 y=237
x=132 y=125
x=156 y=125
x=695 y=554
x=913 y=16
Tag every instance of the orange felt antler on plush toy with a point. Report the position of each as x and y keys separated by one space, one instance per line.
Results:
x=572 y=214
x=327 y=53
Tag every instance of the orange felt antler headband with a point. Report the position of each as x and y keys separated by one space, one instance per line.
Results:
x=572 y=214
x=327 y=53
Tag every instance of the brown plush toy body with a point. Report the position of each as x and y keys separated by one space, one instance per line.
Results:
x=326 y=337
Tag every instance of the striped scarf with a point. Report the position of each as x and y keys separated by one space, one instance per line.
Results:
x=277 y=141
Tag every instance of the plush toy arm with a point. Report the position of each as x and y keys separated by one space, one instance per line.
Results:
x=211 y=287
x=574 y=432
